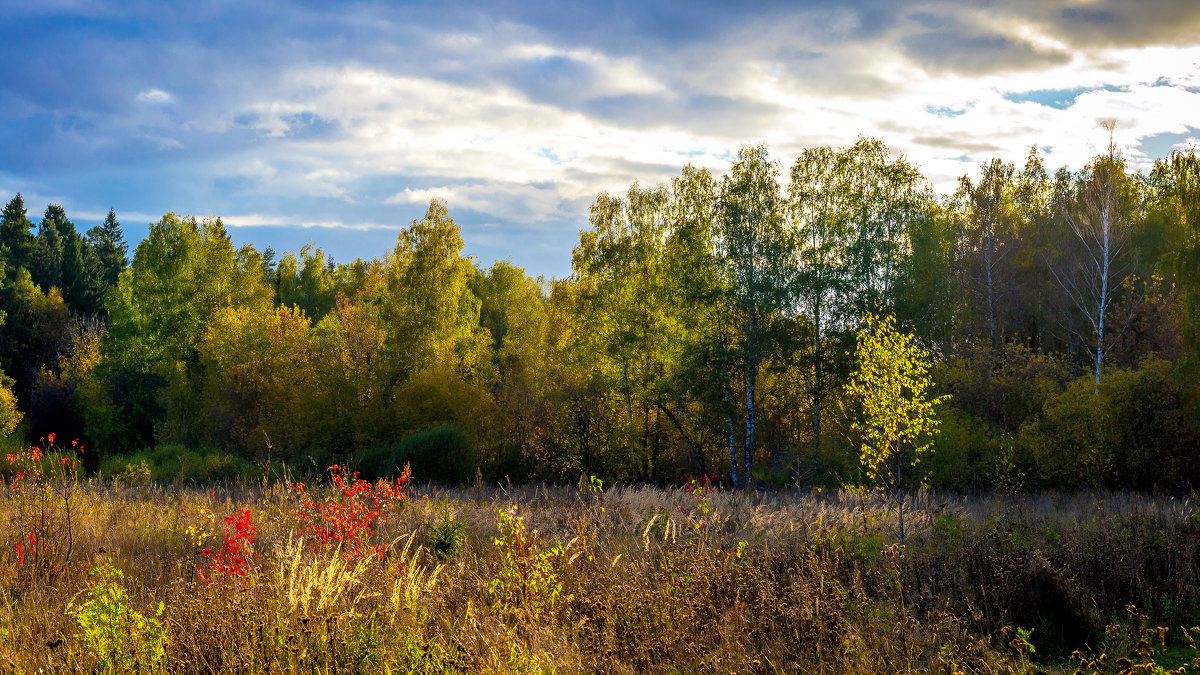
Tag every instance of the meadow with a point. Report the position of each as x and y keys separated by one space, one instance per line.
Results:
x=347 y=576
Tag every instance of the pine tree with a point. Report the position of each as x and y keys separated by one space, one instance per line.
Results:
x=45 y=264
x=107 y=256
x=72 y=274
x=16 y=240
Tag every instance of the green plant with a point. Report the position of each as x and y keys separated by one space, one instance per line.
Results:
x=528 y=579
x=443 y=455
x=447 y=537
x=121 y=638
x=136 y=472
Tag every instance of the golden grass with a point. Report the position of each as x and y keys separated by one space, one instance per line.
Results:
x=651 y=582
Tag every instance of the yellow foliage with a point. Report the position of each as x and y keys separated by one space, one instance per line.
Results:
x=9 y=415
x=893 y=383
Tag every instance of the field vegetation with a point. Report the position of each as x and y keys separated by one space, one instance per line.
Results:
x=345 y=575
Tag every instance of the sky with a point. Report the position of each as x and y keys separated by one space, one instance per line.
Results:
x=336 y=123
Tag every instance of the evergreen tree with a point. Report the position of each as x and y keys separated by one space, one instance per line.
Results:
x=107 y=256
x=16 y=241
x=46 y=258
x=71 y=275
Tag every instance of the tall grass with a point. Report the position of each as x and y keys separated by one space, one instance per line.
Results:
x=654 y=580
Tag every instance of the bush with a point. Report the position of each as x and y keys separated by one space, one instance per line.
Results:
x=965 y=452
x=375 y=463
x=1131 y=432
x=442 y=454
x=176 y=464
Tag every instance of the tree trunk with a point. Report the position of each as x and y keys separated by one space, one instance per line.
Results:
x=733 y=472
x=751 y=378
x=818 y=374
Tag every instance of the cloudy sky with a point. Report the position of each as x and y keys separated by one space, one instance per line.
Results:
x=298 y=121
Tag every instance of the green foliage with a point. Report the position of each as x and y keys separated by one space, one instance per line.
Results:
x=1131 y=432
x=47 y=255
x=447 y=536
x=174 y=464
x=16 y=240
x=442 y=454
x=964 y=454
x=528 y=580
x=135 y=472
x=120 y=638
x=107 y=257
x=707 y=322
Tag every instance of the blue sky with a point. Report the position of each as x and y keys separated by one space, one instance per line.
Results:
x=337 y=122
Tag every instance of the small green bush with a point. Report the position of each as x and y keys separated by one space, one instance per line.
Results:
x=447 y=537
x=118 y=636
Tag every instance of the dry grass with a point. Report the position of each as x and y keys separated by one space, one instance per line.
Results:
x=656 y=581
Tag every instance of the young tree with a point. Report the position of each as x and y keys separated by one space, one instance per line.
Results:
x=893 y=383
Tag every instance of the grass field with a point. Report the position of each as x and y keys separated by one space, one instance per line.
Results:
x=581 y=579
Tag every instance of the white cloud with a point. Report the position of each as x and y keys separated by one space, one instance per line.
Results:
x=422 y=196
x=154 y=96
x=277 y=220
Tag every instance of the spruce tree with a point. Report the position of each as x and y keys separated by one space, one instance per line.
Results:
x=72 y=275
x=16 y=240
x=109 y=250
x=45 y=265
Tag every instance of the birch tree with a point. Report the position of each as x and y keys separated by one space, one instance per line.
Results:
x=818 y=205
x=756 y=249
x=1098 y=215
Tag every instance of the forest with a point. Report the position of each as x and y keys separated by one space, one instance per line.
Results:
x=708 y=328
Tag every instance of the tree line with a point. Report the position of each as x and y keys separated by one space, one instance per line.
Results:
x=708 y=326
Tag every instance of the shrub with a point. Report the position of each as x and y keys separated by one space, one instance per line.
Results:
x=348 y=514
x=447 y=537
x=171 y=463
x=375 y=463
x=528 y=580
x=118 y=636
x=1130 y=432
x=233 y=558
x=442 y=454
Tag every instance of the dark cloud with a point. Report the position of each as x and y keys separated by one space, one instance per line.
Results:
x=976 y=53
x=956 y=143
x=705 y=114
x=1102 y=23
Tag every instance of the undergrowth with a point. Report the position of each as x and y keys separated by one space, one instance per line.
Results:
x=350 y=576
